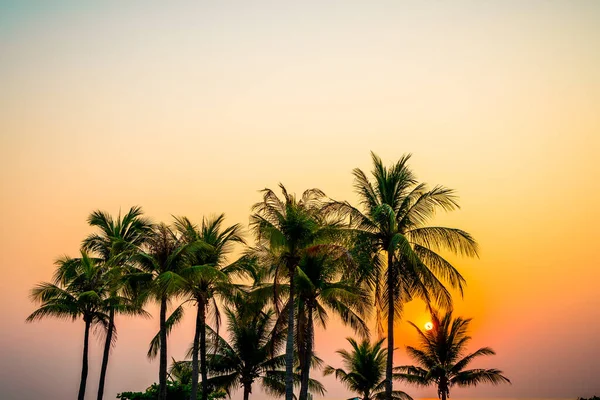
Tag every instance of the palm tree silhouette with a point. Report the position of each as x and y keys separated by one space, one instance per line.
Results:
x=321 y=287
x=364 y=370
x=116 y=242
x=397 y=210
x=162 y=259
x=206 y=277
x=442 y=359
x=79 y=291
x=285 y=230
x=252 y=352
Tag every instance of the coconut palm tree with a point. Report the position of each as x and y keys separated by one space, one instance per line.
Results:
x=78 y=291
x=207 y=277
x=364 y=370
x=395 y=223
x=285 y=230
x=321 y=287
x=253 y=351
x=163 y=257
x=115 y=243
x=442 y=357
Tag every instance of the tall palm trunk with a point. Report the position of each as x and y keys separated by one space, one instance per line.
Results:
x=162 y=368
x=289 y=346
x=203 y=369
x=107 y=343
x=247 y=391
x=390 y=331
x=196 y=349
x=305 y=374
x=443 y=388
x=84 y=367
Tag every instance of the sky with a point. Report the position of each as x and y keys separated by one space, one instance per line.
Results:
x=191 y=107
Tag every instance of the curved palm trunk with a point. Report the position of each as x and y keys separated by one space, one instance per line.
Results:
x=390 y=331
x=107 y=343
x=162 y=369
x=84 y=367
x=305 y=374
x=289 y=345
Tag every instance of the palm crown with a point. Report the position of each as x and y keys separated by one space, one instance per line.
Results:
x=251 y=354
x=79 y=290
x=286 y=230
x=364 y=370
x=442 y=357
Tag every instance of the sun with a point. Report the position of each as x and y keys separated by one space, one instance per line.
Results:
x=428 y=326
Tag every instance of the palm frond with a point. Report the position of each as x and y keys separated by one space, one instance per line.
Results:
x=474 y=377
x=174 y=319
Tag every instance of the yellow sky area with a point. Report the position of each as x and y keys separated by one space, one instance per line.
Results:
x=191 y=110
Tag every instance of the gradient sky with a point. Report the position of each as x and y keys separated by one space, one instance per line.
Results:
x=190 y=108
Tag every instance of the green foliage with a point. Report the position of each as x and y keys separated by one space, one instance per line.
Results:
x=175 y=391
x=286 y=230
x=78 y=291
x=364 y=370
x=313 y=257
x=395 y=217
x=394 y=221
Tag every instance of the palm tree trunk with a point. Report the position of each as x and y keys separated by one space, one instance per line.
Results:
x=84 y=367
x=107 y=344
x=247 y=391
x=195 y=349
x=289 y=345
x=162 y=369
x=443 y=388
x=390 y=331
x=203 y=371
x=307 y=355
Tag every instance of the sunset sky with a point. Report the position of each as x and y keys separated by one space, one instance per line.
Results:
x=189 y=108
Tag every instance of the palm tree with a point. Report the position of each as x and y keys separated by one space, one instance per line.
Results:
x=116 y=242
x=181 y=372
x=207 y=276
x=397 y=210
x=251 y=353
x=78 y=291
x=164 y=257
x=442 y=358
x=253 y=350
x=320 y=288
x=286 y=229
x=365 y=370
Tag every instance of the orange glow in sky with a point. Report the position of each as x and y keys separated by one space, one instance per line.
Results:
x=189 y=108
